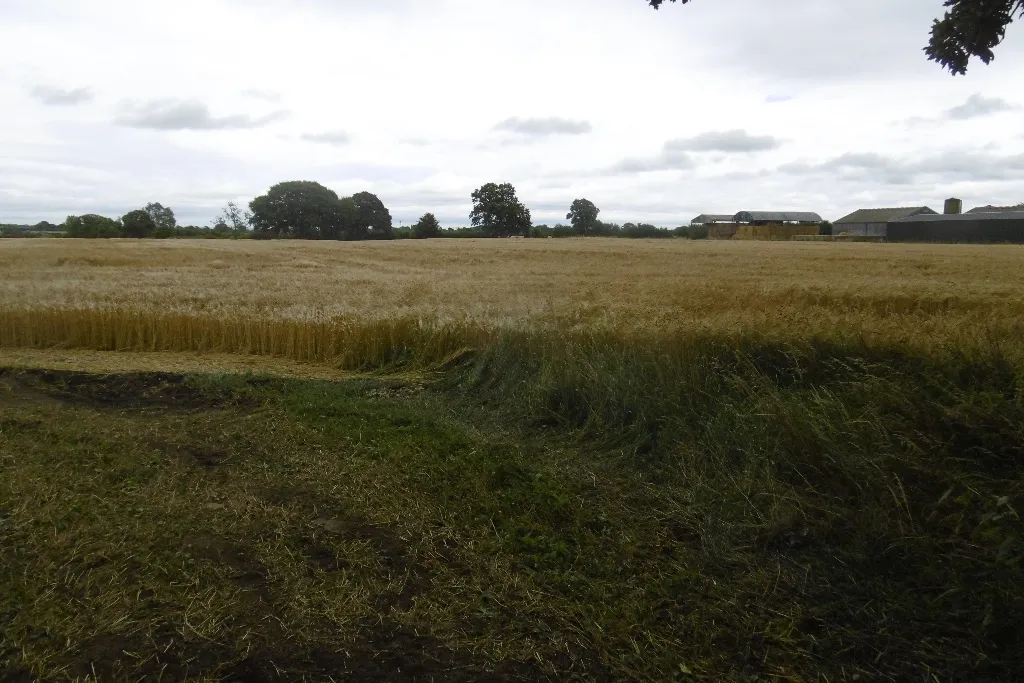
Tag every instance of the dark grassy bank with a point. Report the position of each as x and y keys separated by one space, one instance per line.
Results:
x=589 y=510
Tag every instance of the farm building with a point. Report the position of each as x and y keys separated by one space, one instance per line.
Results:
x=775 y=225
x=996 y=209
x=775 y=232
x=872 y=222
x=721 y=231
x=777 y=217
x=1006 y=226
x=709 y=218
x=720 y=226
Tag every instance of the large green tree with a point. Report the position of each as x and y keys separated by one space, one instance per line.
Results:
x=497 y=212
x=162 y=215
x=426 y=226
x=303 y=209
x=583 y=216
x=138 y=223
x=92 y=225
x=969 y=28
x=373 y=220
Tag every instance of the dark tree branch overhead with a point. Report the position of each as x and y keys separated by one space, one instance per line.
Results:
x=969 y=28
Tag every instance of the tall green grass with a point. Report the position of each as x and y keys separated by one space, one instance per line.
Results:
x=895 y=476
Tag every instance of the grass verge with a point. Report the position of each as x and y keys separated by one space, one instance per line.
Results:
x=589 y=509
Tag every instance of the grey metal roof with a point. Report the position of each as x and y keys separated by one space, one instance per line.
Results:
x=996 y=209
x=883 y=215
x=981 y=216
x=712 y=218
x=780 y=216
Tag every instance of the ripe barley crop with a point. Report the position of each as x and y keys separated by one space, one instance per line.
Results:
x=363 y=303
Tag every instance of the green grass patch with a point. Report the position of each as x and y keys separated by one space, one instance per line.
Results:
x=588 y=510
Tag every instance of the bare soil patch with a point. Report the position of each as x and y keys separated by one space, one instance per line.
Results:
x=126 y=391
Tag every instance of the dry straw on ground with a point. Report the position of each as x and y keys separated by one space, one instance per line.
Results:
x=356 y=302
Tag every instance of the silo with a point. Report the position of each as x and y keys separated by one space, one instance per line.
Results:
x=953 y=206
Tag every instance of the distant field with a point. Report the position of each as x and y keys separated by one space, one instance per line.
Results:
x=321 y=300
x=511 y=460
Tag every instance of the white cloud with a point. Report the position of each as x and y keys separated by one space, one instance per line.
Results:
x=260 y=94
x=332 y=137
x=541 y=127
x=58 y=97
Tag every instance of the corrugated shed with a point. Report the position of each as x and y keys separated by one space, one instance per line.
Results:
x=996 y=209
x=711 y=218
x=1007 y=226
x=878 y=229
x=965 y=217
x=777 y=217
x=883 y=215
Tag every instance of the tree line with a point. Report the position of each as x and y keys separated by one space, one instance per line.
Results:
x=153 y=221
x=304 y=209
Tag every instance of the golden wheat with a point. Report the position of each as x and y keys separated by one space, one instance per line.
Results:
x=373 y=303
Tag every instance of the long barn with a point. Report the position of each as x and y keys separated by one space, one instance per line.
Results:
x=873 y=222
x=709 y=218
x=1006 y=226
x=720 y=226
x=777 y=217
x=776 y=225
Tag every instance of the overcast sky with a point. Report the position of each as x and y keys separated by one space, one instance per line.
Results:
x=712 y=107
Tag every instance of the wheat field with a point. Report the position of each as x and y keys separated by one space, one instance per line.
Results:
x=355 y=303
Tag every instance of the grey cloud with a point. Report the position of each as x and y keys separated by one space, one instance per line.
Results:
x=544 y=126
x=973 y=166
x=868 y=160
x=978 y=105
x=265 y=95
x=57 y=97
x=190 y=115
x=744 y=176
x=947 y=167
x=335 y=137
x=975 y=107
x=732 y=141
x=676 y=154
x=666 y=161
x=673 y=157
x=850 y=162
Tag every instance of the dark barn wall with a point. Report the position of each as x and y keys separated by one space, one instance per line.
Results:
x=1011 y=230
